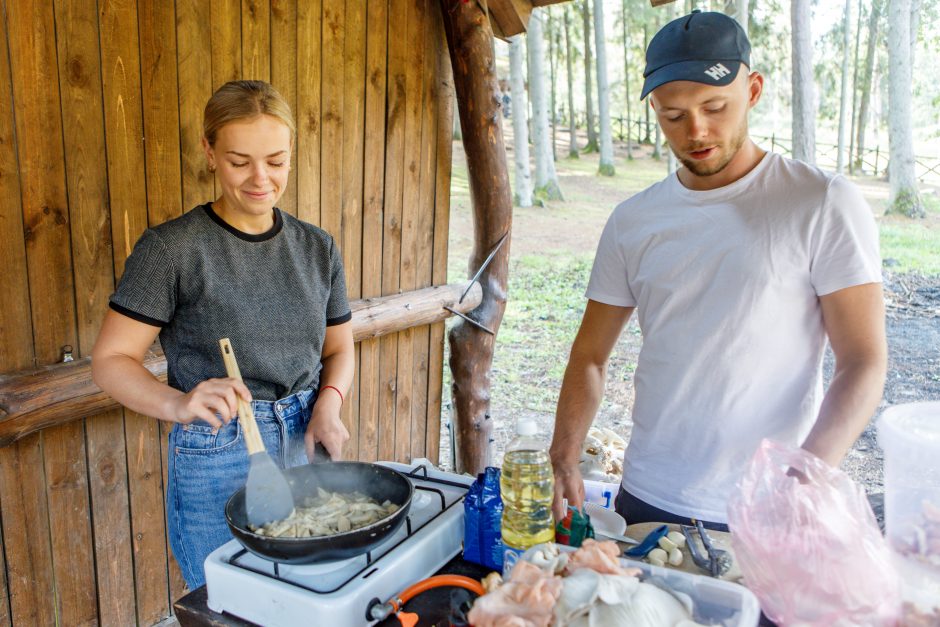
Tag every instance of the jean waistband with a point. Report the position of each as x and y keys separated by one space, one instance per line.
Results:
x=267 y=410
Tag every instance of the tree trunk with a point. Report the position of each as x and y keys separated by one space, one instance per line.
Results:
x=606 y=166
x=546 y=181
x=874 y=21
x=915 y=26
x=520 y=127
x=905 y=197
x=552 y=109
x=588 y=87
x=626 y=77
x=738 y=9
x=844 y=100
x=572 y=127
x=657 y=144
x=646 y=101
x=804 y=107
x=858 y=41
x=742 y=14
x=470 y=41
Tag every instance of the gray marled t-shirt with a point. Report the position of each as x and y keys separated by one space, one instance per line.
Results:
x=273 y=295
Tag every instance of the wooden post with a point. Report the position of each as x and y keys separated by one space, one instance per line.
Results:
x=470 y=41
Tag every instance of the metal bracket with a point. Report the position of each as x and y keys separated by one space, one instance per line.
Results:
x=483 y=266
x=469 y=320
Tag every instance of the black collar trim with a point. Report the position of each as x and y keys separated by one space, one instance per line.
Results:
x=248 y=237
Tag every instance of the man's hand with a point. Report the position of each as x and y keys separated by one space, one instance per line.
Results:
x=568 y=485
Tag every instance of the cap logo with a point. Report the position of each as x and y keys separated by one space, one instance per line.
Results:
x=717 y=71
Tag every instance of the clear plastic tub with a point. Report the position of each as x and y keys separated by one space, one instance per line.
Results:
x=910 y=437
x=714 y=601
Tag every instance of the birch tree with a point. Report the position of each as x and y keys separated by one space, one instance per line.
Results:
x=520 y=127
x=738 y=10
x=646 y=101
x=874 y=21
x=588 y=87
x=845 y=100
x=804 y=130
x=572 y=128
x=606 y=167
x=858 y=43
x=546 y=181
x=552 y=47
x=904 y=198
x=626 y=77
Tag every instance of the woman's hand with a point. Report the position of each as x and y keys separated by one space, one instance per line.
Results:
x=326 y=427
x=210 y=400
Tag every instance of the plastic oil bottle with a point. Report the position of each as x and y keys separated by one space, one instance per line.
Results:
x=527 y=489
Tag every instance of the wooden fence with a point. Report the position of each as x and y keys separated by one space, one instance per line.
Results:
x=100 y=122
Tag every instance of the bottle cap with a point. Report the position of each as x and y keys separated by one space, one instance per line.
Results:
x=526 y=426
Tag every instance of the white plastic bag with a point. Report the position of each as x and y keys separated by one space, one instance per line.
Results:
x=810 y=548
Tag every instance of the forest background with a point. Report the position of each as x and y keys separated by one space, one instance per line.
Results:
x=557 y=222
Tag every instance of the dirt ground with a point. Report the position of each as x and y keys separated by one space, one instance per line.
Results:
x=913 y=318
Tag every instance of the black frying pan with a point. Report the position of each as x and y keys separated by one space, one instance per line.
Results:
x=375 y=481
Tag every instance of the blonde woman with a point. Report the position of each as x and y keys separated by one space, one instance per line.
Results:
x=240 y=268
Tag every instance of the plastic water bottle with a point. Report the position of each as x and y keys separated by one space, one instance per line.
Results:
x=527 y=488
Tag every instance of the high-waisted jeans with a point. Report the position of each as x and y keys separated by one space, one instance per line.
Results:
x=206 y=468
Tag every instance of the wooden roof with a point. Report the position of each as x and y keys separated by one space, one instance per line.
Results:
x=510 y=17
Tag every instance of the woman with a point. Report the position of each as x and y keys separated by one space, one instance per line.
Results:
x=238 y=268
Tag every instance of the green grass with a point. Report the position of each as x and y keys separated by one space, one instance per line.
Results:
x=913 y=245
x=546 y=302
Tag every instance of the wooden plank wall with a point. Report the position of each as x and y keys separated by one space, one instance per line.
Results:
x=100 y=128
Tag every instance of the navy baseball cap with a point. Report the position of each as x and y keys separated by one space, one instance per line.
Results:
x=704 y=47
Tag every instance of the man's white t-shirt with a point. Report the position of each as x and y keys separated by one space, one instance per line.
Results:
x=726 y=285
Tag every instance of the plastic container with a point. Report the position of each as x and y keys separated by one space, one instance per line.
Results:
x=910 y=437
x=714 y=601
x=601 y=493
x=527 y=488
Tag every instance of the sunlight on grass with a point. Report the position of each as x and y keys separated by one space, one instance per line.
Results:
x=915 y=247
x=546 y=302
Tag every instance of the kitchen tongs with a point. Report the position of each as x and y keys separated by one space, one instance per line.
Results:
x=716 y=562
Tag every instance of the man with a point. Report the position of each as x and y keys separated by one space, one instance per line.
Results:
x=739 y=266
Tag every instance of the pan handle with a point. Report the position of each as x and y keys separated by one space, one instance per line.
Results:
x=320 y=454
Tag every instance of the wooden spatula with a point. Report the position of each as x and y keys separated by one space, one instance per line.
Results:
x=267 y=493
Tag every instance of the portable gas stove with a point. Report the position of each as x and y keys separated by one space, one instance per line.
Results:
x=343 y=591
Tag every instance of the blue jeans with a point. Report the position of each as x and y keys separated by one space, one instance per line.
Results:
x=206 y=468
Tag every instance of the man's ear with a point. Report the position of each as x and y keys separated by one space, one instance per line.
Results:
x=755 y=87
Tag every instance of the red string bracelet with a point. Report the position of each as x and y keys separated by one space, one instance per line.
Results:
x=335 y=389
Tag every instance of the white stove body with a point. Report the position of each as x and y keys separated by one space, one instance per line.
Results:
x=340 y=592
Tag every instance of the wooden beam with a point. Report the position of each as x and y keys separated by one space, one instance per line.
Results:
x=508 y=17
x=657 y=3
x=545 y=3
x=57 y=394
x=470 y=41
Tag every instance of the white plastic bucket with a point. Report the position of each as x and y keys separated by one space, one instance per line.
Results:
x=909 y=434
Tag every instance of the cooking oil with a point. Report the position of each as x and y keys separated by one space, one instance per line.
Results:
x=527 y=489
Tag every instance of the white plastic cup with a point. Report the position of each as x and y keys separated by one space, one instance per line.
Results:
x=909 y=434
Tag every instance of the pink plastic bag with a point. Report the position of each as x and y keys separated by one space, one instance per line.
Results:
x=812 y=551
